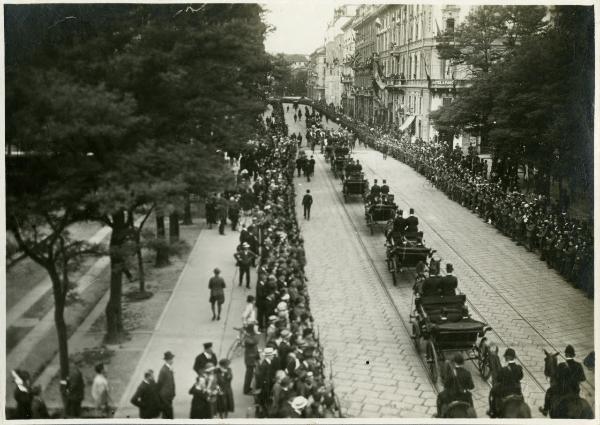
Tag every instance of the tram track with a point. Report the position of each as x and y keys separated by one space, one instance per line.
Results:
x=541 y=386
x=379 y=277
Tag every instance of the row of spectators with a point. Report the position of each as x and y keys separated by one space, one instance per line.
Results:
x=289 y=377
x=531 y=220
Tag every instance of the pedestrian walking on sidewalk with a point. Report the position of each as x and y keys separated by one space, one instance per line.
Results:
x=166 y=386
x=216 y=285
x=100 y=392
x=146 y=397
x=307 y=203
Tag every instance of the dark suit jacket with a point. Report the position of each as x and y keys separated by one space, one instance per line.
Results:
x=514 y=374
x=570 y=374
x=431 y=285
x=201 y=361
x=146 y=398
x=307 y=200
x=251 y=355
x=399 y=224
x=412 y=223
x=448 y=285
x=461 y=380
x=385 y=189
x=166 y=385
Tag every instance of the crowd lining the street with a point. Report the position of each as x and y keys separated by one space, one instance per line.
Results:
x=535 y=221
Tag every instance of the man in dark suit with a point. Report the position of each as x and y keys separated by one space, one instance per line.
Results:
x=307 y=203
x=251 y=357
x=457 y=385
x=412 y=225
x=146 y=397
x=569 y=376
x=166 y=386
x=514 y=373
x=570 y=373
x=431 y=286
x=448 y=283
x=375 y=189
x=245 y=258
x=75 y=391
x=385 y=189
x=265 y=375
x=205 y=357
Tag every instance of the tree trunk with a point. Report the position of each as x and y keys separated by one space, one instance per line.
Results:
x=187 y=210
x=162 y=250
x=140 y=260
x=114 y=320
x=61 y=327
x=160 y=226
x=174 y=227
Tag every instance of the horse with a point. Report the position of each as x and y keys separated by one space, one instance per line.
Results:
x=563 y=406
x=514 y=406
x=459 y=409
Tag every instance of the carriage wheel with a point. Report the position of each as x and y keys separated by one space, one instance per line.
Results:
x=432 y=360
x=416 y=336
x=483 y=360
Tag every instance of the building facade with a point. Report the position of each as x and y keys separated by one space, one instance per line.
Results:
x=334 y=56
x=347 y=77
x=399 y=77
x=315 y=84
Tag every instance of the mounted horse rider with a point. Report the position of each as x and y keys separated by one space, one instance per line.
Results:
x=565 y=379
x=507 y=384
x=458 y=384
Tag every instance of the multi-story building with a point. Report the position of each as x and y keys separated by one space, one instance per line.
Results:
x=334 y=58
x=315 y=84
x=347 y=77
x=399 y=77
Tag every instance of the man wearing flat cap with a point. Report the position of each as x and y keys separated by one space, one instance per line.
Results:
x=207 y=356
x=166 y=386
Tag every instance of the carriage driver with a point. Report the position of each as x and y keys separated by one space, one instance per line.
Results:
x=458 y=384
x=385 y=189
x=375 y=189
x=397 y=228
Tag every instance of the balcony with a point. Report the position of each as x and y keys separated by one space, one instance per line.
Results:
x=347 y=79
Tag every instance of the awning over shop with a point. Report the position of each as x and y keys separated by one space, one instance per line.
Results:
x=407 y=122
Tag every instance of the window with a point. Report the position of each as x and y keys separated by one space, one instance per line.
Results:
x=446 y=101
x=450 y=25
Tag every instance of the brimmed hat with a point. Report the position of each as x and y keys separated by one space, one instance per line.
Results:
x=285 y=333
x=273 y=318
x=168 y=355
x=282 y=306
x=299 y=403
x=245 y=245
x=269 y=351
x=207 y=345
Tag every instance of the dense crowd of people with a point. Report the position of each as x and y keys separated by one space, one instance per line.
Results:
x=288 y=373
x=532 y=220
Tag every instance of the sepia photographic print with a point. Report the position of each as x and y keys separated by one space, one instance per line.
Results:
x=298 y=211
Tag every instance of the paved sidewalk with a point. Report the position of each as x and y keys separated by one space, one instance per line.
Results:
x=186 y=324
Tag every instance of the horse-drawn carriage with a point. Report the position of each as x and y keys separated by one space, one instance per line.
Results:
x=380 y=214
x=355 y=184
x=444 y=325
x=404 y=254
x=339 y=160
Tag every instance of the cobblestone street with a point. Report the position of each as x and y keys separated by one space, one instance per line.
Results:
x=529 y=306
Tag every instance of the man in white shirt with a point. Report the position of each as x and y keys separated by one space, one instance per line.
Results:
x=100 y=392
x=249 y=314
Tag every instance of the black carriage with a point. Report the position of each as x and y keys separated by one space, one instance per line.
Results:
x=338 y=165
x=405 y=254
x=379 y=214
x=355 y=184
x=328 y=153
x=444 y=326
